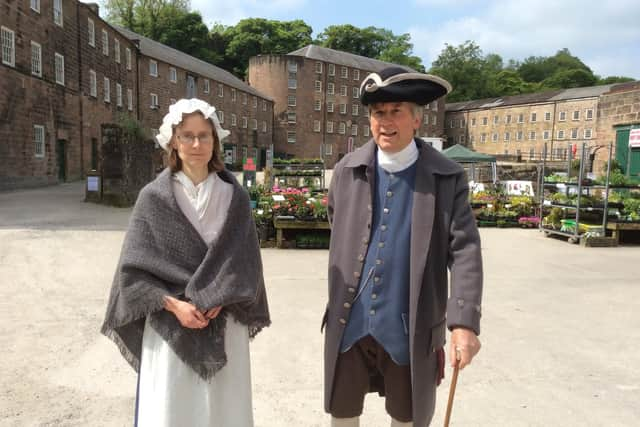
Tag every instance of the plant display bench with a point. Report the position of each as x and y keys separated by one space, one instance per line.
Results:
x=617 y=227
x=281 y=224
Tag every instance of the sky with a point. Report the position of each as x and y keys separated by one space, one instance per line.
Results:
x=605 y=35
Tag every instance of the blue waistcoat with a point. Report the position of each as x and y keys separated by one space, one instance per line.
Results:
x=381 y=307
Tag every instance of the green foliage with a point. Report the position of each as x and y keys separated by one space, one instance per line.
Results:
x=372 y=42
x=132 y=128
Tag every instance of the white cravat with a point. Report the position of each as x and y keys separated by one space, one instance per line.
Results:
x=395 y=162
x=200 y=194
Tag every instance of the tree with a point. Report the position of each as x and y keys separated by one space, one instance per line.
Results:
x=146 y=17
x=371 y=42
x=614 y=79
x=569 y=78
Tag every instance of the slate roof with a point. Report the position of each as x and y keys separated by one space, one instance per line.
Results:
x=343 y=58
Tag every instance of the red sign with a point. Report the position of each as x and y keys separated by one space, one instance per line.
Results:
x=249 y=165
x=634 y=138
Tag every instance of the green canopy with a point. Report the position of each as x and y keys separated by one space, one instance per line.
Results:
x=462 y=154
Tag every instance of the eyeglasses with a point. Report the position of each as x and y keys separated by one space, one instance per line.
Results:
x=191 y=139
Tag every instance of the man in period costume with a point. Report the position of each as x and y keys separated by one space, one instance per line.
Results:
x=400 y=217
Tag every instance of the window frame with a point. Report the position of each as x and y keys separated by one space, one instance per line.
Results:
x=36 y=72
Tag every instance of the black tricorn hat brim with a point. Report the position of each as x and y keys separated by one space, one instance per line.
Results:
x=397 y=85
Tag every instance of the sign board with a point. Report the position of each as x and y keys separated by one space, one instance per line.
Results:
x=634 y=138
x=93 y=183
x=228 y=156
x=518 y=188
x=249 y=165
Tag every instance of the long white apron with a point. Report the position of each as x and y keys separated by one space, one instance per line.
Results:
x=170 y=393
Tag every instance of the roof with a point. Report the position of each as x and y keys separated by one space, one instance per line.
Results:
x=325 y=54
x=156 y=50
x=462 y=154
x=532 y=98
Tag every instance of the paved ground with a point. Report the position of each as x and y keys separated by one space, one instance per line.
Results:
x=561 y=328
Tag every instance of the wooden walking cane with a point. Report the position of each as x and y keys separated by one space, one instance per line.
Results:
x=452 y=389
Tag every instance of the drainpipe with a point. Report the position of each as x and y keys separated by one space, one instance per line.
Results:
x=80 y=94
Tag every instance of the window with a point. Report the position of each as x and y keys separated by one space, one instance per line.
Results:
x=107 y=90
x=8 y=47
x=264 y=126
x=316 y=125
x=452 y=123
x=118 y=94
x=93 y=84
x=36 y=59
x=463 y=123
x=291 y=136
x=434 y=106
x=435 y=120
x=484 y=121
x=153 y=68
x=507 y=136
x=154 y=101
x=343 y=108
x=331 y=89
x=105 y=43
x=130 y=99
x=507 y=118
x=356 y=92
x=116 y=50
x=207 y=86
x=220 y=90
x=355 y=109
x=589 y=114
x=57 y=12
x=587 y=134
x=365 y=130
x=494 y=137
x=244 y=122
x=233 y=94
x=292 y=83
x=534 y=117
x=574 y=133
x=329 y=125
x=483 y=137
x=173 y=75
x=328 y=149
x=35 y=5
x=292 y=66
x=318 y=67
x=576 y=115
x=546 y=135
x=220 y=116
x=532 y=152
x=291 y=117
x=59 y=67
x=547 y=116
x=343 y=90
x=330 y=105
x=254 y=124
x=244 y=98
x=291 y=100
x=473 y=121
x=127 y=57
x=264 y=105
x=356 y=75
x=234 y=120
x=38 y=140
x=318 y=86
x=354 y=130
x=519 y=135
x=562 y=116
x=91 y=27
x=472 y=139
x=254 y=102
x=496 y=120
x=332 y=70
x=520 y=118
x=461 y=139
x=342 y=128
x=425 y=119
x=317 y=105
x=561 y=134
x=344 y=72
x=532 y=135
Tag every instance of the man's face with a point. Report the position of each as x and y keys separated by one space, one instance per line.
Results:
x=393 y=125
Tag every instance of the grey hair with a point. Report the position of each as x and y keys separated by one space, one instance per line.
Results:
x=416 y=110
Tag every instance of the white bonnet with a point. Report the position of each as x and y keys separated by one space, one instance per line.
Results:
x=187 y=106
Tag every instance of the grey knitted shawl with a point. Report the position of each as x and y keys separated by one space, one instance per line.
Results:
x=163 y=254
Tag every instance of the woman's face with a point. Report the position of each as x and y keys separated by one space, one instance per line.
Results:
x=193 y=139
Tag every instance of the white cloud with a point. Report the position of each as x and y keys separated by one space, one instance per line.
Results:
x=229 y=12
x=606 y=36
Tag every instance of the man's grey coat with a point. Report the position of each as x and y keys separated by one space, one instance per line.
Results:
x=443 y=236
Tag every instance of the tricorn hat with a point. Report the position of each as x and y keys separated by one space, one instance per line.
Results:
x=396 y=84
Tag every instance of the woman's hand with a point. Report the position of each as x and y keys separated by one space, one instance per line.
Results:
x=186 y=313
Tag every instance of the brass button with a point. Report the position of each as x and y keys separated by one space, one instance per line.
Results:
x=385 y=210
x=376 y=279
x=368 y=207
x=383 y=227
x=341 y=320
x=381 y=245
x=372 y=312
x=378 y=261
x=356 y=274
x=374 y=296
x=352 y=290
x=389 y=193
x=360 y=257
x=365 y=240
x=346 y=305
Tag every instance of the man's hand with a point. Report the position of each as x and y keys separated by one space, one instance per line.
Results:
x=464 y=346
x=212 y=313
x=186 y=313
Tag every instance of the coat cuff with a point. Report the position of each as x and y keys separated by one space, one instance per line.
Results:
x=461 y=313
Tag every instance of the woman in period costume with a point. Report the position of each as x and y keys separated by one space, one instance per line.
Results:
x=188 y=293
